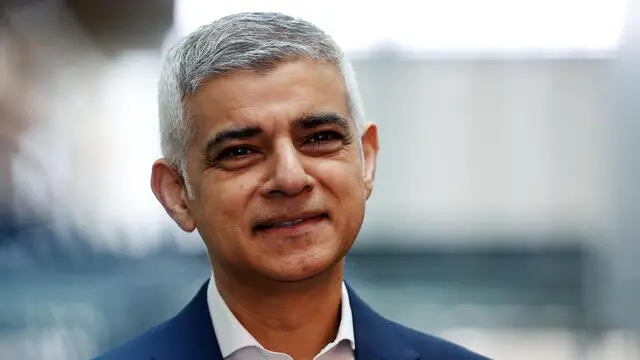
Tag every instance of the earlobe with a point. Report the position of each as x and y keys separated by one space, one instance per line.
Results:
x=169 y=189
x=370 y=148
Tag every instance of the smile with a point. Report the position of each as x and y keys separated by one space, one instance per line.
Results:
x=287 y=223
x=290 y=224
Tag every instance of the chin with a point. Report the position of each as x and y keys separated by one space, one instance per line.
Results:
x=301 y=269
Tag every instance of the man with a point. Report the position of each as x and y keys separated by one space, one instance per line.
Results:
x=268 y=156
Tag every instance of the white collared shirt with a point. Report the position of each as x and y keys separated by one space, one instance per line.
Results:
x=236 y=343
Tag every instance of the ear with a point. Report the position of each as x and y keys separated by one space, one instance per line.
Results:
x=370 y=150
x=169 y=188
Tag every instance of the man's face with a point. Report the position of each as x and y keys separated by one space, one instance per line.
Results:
x=277 y=171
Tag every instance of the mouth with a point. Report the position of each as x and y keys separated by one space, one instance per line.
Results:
x=290 y=222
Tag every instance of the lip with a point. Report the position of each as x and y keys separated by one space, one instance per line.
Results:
x=289 y=225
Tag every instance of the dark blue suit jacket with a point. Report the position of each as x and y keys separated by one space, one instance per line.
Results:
x=190 y=335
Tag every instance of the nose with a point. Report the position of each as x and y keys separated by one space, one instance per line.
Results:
x=287 y=174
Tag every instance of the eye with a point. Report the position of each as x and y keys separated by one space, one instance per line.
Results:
x=323 y=137
x=235 y=152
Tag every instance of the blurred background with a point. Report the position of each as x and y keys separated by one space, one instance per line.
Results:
x=506 y=214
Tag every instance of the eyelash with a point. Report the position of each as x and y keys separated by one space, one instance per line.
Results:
x=333 y=134
x=228 y=153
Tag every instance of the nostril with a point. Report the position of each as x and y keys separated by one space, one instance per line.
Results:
x=289 y=191
x=289 y=186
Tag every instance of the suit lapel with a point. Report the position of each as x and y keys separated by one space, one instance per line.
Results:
x=190 y=334
x=375 y=336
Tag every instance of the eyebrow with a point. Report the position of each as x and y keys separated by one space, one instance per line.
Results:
x=228 y=135
x=247 y=132
x=316 y=120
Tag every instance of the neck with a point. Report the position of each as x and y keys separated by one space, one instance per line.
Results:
x=295 y=318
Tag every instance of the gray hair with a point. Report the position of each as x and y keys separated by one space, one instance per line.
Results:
x=244 y=41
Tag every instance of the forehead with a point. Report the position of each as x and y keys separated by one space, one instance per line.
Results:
x=286 y=92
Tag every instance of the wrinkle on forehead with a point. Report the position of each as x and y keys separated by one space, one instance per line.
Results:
x=259 y=99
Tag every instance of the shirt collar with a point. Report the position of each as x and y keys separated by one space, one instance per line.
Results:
x=232 y=336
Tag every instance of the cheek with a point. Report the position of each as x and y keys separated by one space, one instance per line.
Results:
x=342 y=178
x=225 y=201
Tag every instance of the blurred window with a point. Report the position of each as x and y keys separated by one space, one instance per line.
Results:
x=439 y=26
